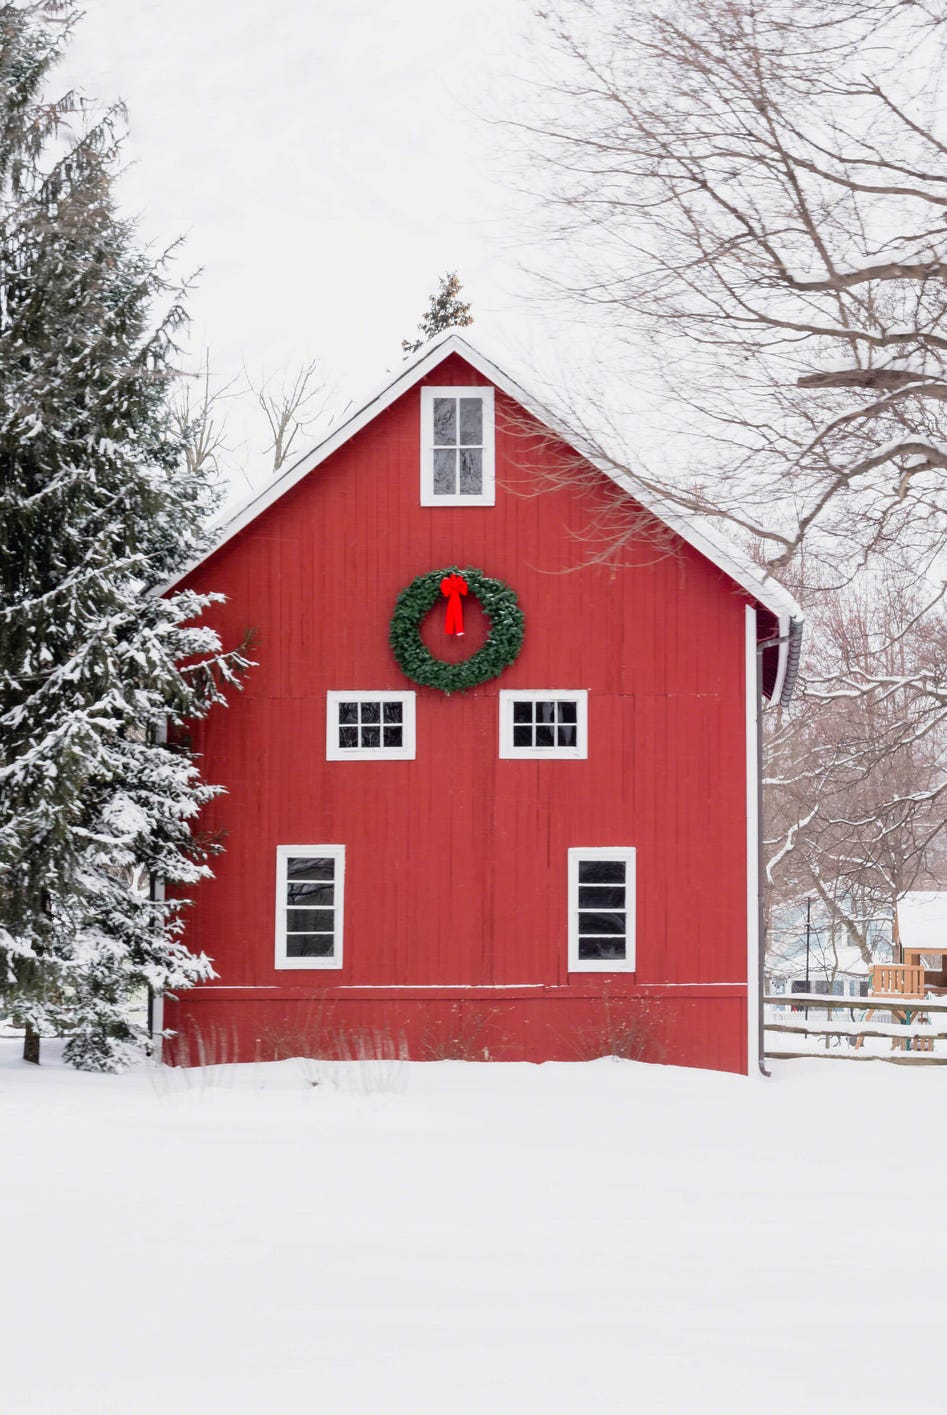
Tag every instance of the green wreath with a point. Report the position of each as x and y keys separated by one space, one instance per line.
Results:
x=500 y=650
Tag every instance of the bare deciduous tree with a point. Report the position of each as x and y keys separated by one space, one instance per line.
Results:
x=198 y=417
x=755 y=193
x=858 y=769
x=757 y=190
x=290 y=407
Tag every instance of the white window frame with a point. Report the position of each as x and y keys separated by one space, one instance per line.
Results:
x=404 y=753
x=283 y=853
x=487 y=496
x=602 y=965
x=509 y=696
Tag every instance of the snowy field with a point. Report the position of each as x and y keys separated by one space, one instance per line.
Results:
x=318 y=1239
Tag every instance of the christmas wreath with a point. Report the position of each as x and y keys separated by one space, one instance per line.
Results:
x=504 y=640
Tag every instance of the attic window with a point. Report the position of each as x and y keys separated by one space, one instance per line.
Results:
x=457 y=454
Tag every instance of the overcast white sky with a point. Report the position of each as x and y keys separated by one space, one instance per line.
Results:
x=326 y=161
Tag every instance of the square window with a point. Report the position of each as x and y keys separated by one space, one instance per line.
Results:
x=540 y=726
x=370 y=726
x=309 y=896
x=457 y=446
x=601 y=909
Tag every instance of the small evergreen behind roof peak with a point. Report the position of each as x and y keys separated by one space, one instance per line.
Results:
x=446 y=310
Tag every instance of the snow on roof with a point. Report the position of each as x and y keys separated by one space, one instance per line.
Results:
x=694 y=531
x=922 y=919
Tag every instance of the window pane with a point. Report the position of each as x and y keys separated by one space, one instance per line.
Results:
x=601 y=948
x=471 y=421
x=567 y=711
x=445 y=473
x=445 y=422
x=371 y=736
x=601 y=923
x=545 y=736
x=566 y=736
x=471 y=471
x=601 y=896
x=348 y=736
x=393 y=712
x=522 y=736
x=310 y=894
x=522 y=712
x=393 y=737
x=300 y=921
x=371 y=712
x=299 y=867
x=310 y=946
x=348 y=712
x=601 y=871
x=545 y=711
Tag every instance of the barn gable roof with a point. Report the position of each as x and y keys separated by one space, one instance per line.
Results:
x=697 y=533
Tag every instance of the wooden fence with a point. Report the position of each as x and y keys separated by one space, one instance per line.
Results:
x=915 y=1039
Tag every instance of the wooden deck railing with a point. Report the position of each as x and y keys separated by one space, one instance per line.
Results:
x=897 y=980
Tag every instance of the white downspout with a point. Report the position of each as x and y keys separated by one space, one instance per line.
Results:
x=753 y=1057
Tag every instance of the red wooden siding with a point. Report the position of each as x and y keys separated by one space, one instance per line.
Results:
x=456 y=862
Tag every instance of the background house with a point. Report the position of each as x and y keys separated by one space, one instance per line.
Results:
x=559 y=861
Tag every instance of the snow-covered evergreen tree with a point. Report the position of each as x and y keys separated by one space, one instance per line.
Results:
x=445 y=311
x=98 y=507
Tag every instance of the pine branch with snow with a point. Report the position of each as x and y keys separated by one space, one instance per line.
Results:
x=98 y=506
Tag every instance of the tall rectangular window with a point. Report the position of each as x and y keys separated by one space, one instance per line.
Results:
x=602 y=909
x=457 y=447
x=310 y=882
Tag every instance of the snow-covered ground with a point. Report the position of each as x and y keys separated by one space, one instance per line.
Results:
x=459 y=1239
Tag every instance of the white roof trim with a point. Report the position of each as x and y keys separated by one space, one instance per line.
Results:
x=698 y=534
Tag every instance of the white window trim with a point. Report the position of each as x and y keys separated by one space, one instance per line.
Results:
x=283 y=853
x=404 y=753
x=602 y=965
x=509 y=696
x=487 y=496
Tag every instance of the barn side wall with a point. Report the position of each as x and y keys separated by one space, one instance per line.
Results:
x=456 y=862
x=680 y=1027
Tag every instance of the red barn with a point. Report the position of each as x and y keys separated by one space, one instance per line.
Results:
x=556 y=859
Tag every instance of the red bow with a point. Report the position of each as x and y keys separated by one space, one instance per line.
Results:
x=453 y=586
